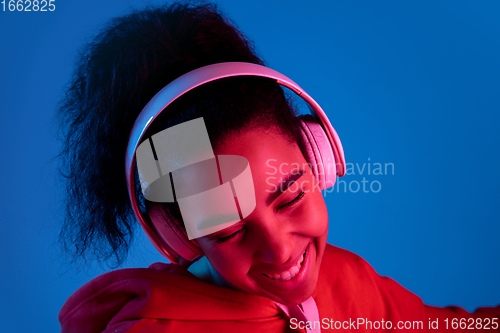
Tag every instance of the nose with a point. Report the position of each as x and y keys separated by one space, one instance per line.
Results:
x=277 y=242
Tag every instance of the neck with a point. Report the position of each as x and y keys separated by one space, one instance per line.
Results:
x=204 y=271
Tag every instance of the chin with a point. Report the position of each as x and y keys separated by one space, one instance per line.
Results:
x=303 y=284
x=296 y=296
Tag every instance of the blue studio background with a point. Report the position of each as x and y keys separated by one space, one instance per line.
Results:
x=414 y=85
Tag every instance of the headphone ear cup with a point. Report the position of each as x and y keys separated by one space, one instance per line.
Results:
x=171 y=238
x=319 y=151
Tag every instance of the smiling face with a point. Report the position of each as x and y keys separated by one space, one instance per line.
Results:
x=276 y=251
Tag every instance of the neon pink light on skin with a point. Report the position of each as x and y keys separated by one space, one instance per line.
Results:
x=275 y=235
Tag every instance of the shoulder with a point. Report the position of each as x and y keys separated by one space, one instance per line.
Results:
x=346 y=271
x=162 y=294
x=346 y=278
x=337 y=260
x=127 y=281
x=107 y=294
x=346 y=268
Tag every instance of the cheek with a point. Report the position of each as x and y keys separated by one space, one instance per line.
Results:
x=322 y=214
x=314 y=216
x=227 y=260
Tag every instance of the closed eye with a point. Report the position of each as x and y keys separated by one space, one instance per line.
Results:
x=289 y=204
x=225 y=239
x=293 y=202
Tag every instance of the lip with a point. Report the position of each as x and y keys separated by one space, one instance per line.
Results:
x=298 y=279
x=290 y=264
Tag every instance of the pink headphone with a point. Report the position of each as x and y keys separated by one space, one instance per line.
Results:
x=323 y=148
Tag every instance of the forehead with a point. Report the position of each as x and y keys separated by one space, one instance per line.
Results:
x=268 y=153
x=212 y=207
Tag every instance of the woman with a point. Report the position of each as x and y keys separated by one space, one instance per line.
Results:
x=269 y=271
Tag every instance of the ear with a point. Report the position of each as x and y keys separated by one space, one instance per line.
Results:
x=169 y=237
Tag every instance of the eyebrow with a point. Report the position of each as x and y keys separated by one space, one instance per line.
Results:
x=283 y=185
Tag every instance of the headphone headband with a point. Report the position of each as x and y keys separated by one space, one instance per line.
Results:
x=188 y=82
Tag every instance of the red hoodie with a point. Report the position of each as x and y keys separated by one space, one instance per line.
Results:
x=350 y=295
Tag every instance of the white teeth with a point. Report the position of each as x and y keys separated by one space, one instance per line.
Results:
x=294 y=270
x=290 y=274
